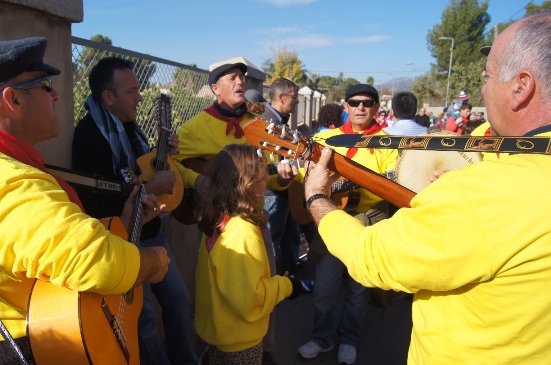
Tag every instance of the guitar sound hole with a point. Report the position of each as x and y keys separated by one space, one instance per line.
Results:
x=129 y=296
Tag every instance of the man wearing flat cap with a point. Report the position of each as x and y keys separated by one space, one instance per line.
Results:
x=361 y=103
x=205 y=134
x=44 y=234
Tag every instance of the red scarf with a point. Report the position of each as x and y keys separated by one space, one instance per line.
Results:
x=231 y=122
x=372 y=128
x=27 y=154
x=211 y=240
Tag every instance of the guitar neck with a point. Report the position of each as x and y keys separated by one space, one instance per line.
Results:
x=387 y=189
x=341 y=186
x=266 y=136
x=161 y=161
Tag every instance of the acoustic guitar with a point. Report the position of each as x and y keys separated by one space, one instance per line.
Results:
x=67 y=327
x=159 y=159
x=273 y=138
x=341 y=195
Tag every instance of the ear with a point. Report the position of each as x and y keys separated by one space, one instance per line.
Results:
x=215 y=89
x=9 y=100
x=523 y=89
x=107 y=97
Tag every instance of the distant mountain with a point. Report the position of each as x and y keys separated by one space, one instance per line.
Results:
x=400 y=84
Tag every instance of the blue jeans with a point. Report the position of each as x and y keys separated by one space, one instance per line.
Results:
x=285 y=232
x=329 y=272
x=173 y=297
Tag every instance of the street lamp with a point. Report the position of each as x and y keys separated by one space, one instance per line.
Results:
x=411 y=63
x=392 y=91
x=450 y=67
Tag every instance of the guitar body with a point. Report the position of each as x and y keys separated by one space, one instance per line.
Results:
x=67 y=327
x=147 y=165
x=185 y=211
x=297 y=202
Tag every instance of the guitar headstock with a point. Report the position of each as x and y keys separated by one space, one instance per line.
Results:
x=162 y=111
x=276 y=139
x=130 y=176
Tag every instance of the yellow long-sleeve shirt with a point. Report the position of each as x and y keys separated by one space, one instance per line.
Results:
x=45 y=236
x=235 y=292
x=475 y=248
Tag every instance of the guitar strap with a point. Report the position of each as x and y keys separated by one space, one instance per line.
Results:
x=8 y=337
x=87 y=181
x=524 y=144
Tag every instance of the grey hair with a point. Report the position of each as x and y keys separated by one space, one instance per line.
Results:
x=281 y=86
x=530 y=49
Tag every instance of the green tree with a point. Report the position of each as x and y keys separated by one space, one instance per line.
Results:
x=286 y=64
x=370 y=80
x=468 y=78
x=313 y=81
x=532 y=8
x=465 y=22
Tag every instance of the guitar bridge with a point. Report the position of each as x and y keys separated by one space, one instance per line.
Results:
x=116 y=328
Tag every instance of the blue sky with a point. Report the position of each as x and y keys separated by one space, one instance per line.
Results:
x=360 y=38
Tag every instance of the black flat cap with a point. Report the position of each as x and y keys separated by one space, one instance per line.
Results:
x=220 y=70
x=254 y=95
x=361 y=89
x=23 y=55
x=485 y=50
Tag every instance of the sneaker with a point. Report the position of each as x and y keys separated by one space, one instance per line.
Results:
x=347 y=354
x=311 y=349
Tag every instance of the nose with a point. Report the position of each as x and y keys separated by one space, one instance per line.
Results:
x=55 y=94
x=139 y=98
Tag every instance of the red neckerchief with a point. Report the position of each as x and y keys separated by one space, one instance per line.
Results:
x=231 y=122
x=211 y=240
x=488 y=133
x=372 y=128
x=24 y=152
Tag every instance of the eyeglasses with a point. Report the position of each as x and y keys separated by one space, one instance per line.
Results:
x=45 y=82
x=356 y=103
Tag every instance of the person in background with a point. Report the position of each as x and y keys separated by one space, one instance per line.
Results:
x=283 y=228
x=404 y=105
x=422 y=118
x=457 y=125
x=106 y=140
x=329 y=117
x=381 y=118
x=45 y=235
x=470 y=285
x=236 y=291
x=256 y=104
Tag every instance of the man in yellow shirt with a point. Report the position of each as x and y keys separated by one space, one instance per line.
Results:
x=470 y=284
x=44 y=233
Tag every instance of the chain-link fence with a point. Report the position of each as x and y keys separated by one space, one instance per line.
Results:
x=187 y=86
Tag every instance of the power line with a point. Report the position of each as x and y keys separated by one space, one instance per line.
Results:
x=521 y=9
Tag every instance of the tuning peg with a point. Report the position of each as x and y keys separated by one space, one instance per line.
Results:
x=271 y=128
x=295 y=137
x=283 y=133
x=259 y=152
x=277 y=148
x=272 y=157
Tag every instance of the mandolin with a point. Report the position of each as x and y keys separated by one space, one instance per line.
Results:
x=279 y=140
x=159 y=159
x=68 y=327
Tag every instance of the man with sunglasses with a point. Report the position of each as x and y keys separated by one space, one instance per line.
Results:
x=44 y=233
x=361 y=103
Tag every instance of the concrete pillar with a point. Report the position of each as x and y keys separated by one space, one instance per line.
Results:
x=52 y=20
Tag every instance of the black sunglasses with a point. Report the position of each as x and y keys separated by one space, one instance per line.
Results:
x=45 y=82
x=356 y=103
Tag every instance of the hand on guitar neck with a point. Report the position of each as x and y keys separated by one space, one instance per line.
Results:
x=149 y=201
